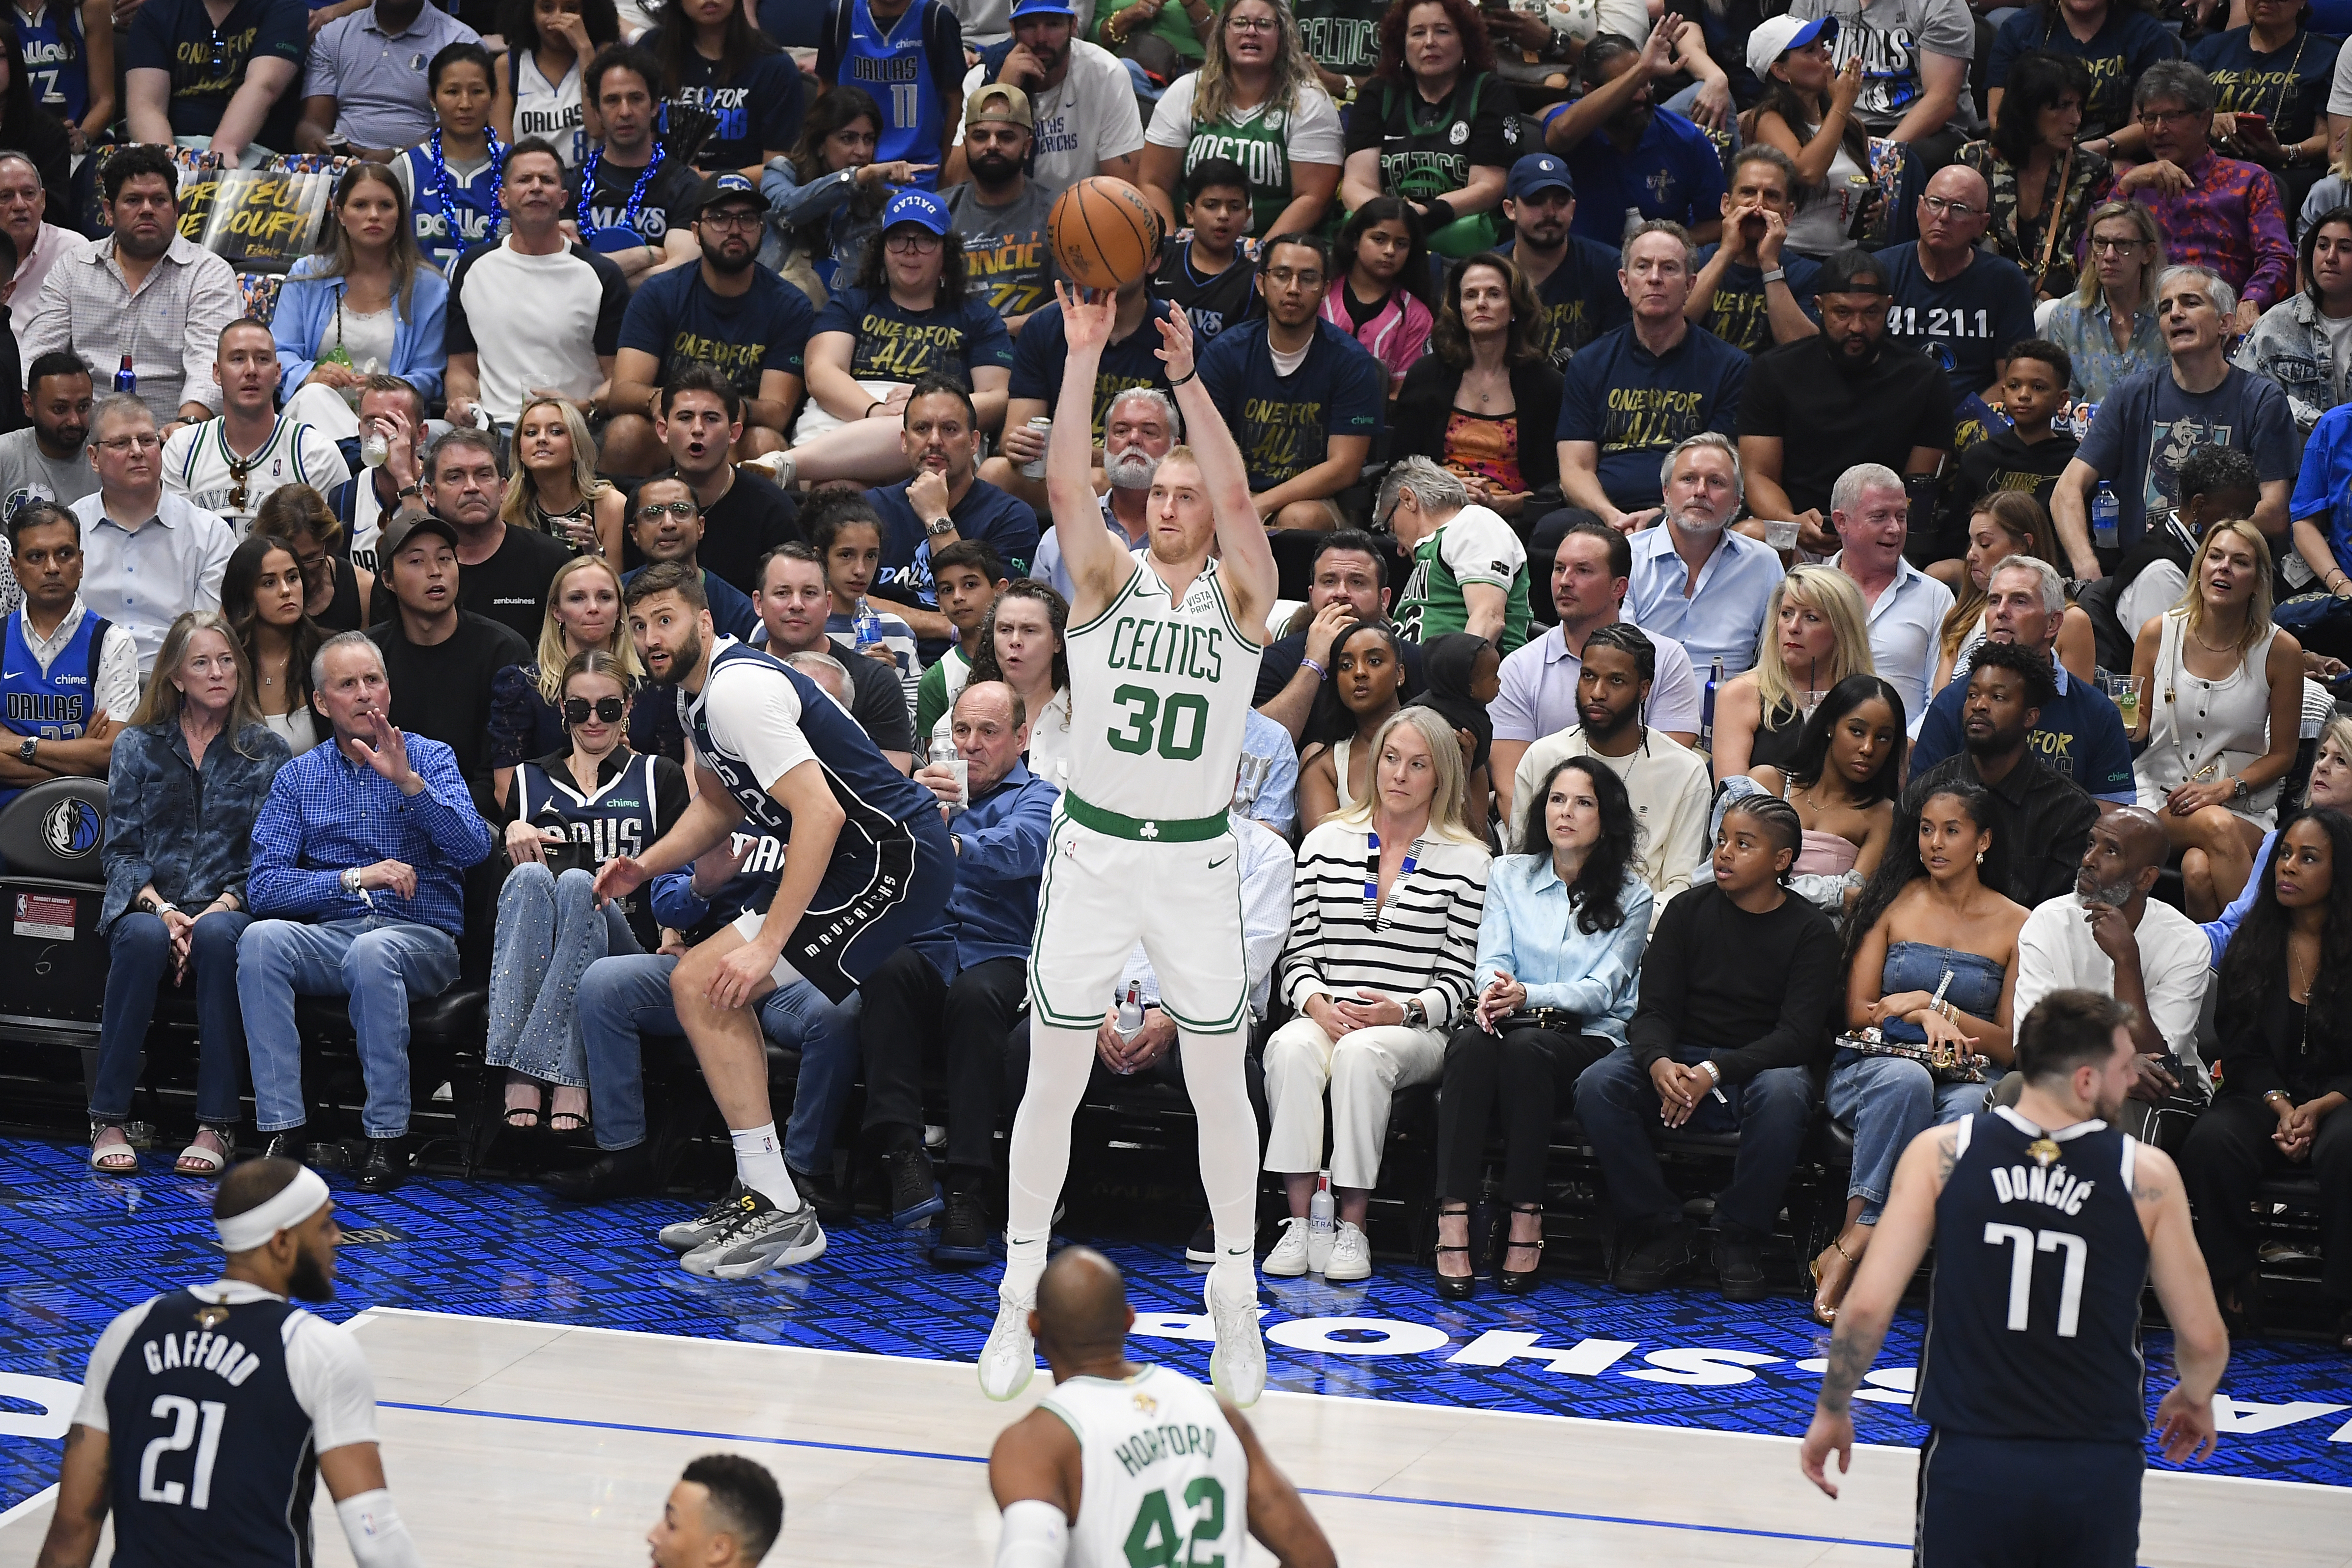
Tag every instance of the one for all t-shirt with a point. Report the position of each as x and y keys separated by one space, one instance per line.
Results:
x=1285 y=424
x=1637 y=406
x=896 y=344
x=178 y=36
x=679 y=320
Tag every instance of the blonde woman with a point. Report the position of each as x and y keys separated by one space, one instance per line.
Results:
x=2223 y=715
x=1384 y=940
x=2005 y=523
x=1255 y=87
x=555 y=489
x=1816 y=632
x=583 y=615
x=2108 y=326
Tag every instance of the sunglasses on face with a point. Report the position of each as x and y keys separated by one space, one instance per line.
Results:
x=653 y=511
x=607 y=709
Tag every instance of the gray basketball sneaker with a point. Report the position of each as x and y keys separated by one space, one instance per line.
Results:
x=689 y=1234
x=764 y=1237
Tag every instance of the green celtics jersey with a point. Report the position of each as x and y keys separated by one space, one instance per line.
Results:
x=1163 y=1478
x=1343 y=36
x=1160 y=693
x=1473 y=544
x=1257 y=139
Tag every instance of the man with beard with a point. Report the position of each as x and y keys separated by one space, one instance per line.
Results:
x=744 y=514
x=1001 y=212
x=2106 y=935
x=1080 y=93
x=228 y=464
x=1693 y=579
x=729 y=313
x=1750 y=292
x=146 y=282
x=1960 y=306
x=946 y=501
x=2040 y=822
x=284 y=1398
x=44 y=461
x=1669 y=784
x=1139 y=428
x=1130 y=360
x=1574 y=275
x=868 y=868
x=1816 y=407
x=1626 y=154
x=2035 y=1398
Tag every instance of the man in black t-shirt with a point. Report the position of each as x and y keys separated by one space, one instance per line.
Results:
x=1814 y=408
x=233 y=80
x=1574 y=276
x=507 y=570
x=793 y=600
x=640 y=203
x=1959 y=305
x=744 y=514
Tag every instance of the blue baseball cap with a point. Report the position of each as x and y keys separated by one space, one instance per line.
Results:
x=918 y=208
x=1022 y=8
x=1538 y=172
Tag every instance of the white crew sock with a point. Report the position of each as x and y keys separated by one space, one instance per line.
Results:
x=759 y=1166
x=1025 y=1265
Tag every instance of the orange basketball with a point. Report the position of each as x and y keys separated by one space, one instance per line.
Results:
x=1105 y=234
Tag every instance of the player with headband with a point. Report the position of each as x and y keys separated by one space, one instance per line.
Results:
x=209 y=1414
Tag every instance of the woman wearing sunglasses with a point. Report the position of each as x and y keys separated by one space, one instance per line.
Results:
x=573 y=809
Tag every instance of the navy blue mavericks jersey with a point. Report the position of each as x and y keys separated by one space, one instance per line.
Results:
x=211 y=1458
x=60 y=705
x=873 y=795
x=891 y=64
x=619 y=817
x=49 y=43
x=2033 y=1316
x=454 y=217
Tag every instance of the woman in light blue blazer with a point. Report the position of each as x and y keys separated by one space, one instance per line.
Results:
x=367 y=297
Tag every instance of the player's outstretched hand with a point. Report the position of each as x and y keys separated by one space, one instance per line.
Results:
x=1830 y=1435
x=2184 y=1428
x=1087 y=317
x=1176 y=344
x=619 y=877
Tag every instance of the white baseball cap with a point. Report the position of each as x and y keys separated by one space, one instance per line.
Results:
x=1777 y=35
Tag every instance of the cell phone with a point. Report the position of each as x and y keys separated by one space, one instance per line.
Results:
x=2258 y=121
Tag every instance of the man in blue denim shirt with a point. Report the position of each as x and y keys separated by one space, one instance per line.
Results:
x=359 y=857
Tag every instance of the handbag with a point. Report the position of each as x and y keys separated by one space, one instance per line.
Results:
x=1944 y=1063
x=1553 y=1021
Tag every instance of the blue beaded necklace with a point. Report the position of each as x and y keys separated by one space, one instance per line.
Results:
x=498 y=176
x=636 y=207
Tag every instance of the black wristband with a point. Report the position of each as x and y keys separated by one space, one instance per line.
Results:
x=1191 y=374
x=1436 y=206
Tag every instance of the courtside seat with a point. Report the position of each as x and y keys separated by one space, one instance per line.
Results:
x=53 y=962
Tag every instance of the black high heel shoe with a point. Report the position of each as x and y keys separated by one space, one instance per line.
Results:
x=1455 y=1287
x=1519 y=1281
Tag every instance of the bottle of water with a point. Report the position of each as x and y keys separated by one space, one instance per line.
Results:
x=1320 y=1224
x=2107 y=518
x=1634 y=219
x=1130 y=1011
x=125 y=379
x=1706 y=709
x=944 y=754
x=865 y=627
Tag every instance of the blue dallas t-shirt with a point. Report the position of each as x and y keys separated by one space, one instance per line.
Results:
x=986 y=513
x=759 y=107
x=2127 y=43
x=896 y=344
x=1673 y=172
x=2079 y=736
x=1581 y=298
x=2147 y=425
x=178 y=36
x=1963 y=325
x=677 y=319
x=1127 y=363
x=1285 y=424
x=1637 y=406
x=1738 y=314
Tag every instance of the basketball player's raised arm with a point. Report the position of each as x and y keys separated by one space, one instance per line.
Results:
x=1097 y=560
x=1277 y=1514
x=1905 y=1231
x=2176 y=1267
x=1244 y=556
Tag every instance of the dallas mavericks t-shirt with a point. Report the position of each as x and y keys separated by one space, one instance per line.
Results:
x=1963 y=324
x=758 y=104
x=1006 y=249
x=1637 y=406
x=896 y=344
x=1581 y=298
x=678 y=320
x=1130 y=361
x=206 y=63
x=1214 y=300
x=1738 y=314
x=667 y=203
x=1284 y=423
x=2147 y=425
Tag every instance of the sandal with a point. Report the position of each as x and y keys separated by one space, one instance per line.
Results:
x=1519 y=1281
x=1455 y=1287
x=1825 y=1313
x=116 y=1158
x=568 y=1122
x=204 y=1159
x=522 y=1116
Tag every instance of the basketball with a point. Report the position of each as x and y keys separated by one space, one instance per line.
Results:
x=1105 y=234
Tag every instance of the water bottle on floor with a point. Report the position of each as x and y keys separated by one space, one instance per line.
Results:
x=1320 y=1225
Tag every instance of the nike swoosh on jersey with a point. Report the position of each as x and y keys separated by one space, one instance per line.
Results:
x=1218 y=862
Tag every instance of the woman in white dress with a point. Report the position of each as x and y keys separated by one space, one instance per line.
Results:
x=2221 y=717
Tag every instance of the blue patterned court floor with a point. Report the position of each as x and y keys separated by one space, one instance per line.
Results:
x=75 y=1249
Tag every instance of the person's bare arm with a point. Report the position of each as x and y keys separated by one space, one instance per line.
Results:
x=632 y=389
x=1342 y=466
x=1485 y=604
x=1359 y=177
x=1941 y=77
x=79 y=1513
x=1761 y=457
x=1503 y=757
x=1289 y=706
x=87 y=756
x=1278 y=1519
x=318 y=122
x=1159 y=175
x=264 y=81
x=1245 y=568
x=1703 y=286
x=2269 y=511
x=1098 y=568
x=1312 y=186
x=1483 y=193
x=992 y=389
x=2070 y=515
x=461 y=385
x=150 y=112
x=98 y=51
x=780 y=398
x=1580 y=481
x=830 y=385
x=1739 y=710
x=2311 y=544
x=1585 y=117
x=2176 y=1267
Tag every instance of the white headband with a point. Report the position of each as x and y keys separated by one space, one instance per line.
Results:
x=302 y=1197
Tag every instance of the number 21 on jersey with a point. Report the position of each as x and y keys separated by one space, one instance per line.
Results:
x=1152 y=1541
x=197 y=1492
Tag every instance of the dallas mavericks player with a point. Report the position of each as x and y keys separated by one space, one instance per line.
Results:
x=2050 y=1222
x=209 y=1414
x=1163 y=649
x=1124 y=1464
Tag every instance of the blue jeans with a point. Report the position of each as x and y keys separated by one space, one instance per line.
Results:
x=1618 y=1106
x=550 y=930
x=1887 y=1101
x=139 y=957
x=622 y=999
x=379 y=964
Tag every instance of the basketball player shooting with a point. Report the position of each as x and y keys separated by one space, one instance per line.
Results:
x=1163 y=653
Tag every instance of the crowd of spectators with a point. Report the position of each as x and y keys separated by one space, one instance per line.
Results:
x=1794 y=531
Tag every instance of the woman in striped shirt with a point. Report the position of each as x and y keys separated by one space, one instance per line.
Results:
x=1383 y=935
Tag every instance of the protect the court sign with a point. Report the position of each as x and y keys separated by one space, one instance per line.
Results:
x=257 y=220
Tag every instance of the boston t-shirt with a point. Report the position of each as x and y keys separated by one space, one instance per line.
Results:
x=1738 y=314
x=1637 y=406
x=1127 y=363
x=207 y=63
x=1962 y=324
x=896 y=344
x=679 y=320
x=2147 y=425
x=667 y=203
x=1581 y=298
x=1285 y=424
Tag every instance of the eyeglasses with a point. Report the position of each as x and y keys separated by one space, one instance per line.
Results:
x=1940 y=205
x=2159 y=120
x=608 y=709
x=735 y=219
x=651 y=512
x=912 y=241
x=2119 y=247
x=1282 y=278
x=146 y=443
x=1253 y=23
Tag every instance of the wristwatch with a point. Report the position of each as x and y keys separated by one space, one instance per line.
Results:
x=148 y=905
x=1777 y=274
x=2238 y=791
x=1416 y=1014
x=27 y=747
x=940 y=527
x=350 y=879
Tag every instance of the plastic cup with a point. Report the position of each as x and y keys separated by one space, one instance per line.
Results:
x=1780 y=536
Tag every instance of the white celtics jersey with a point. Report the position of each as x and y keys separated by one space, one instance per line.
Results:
x=1160 y=693
x=197 y=464
x=1164 y=1479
